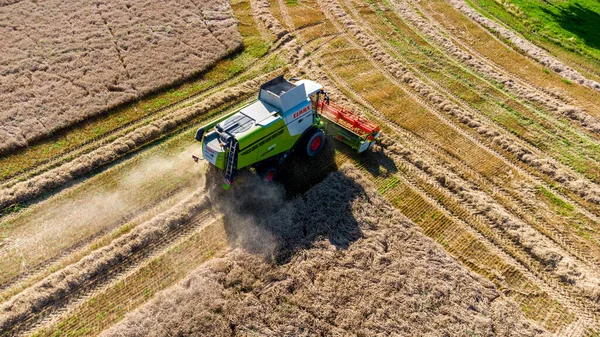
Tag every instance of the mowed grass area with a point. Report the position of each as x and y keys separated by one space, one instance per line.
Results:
x=473 y=36
x=568 y=28
x=255 y=47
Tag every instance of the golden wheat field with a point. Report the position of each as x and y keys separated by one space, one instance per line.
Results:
x=63 y=62
x=476 y=214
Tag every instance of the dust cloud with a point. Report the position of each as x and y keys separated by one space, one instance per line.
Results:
x=60 y=285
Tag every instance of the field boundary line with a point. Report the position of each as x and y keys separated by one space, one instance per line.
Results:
x=99 y=141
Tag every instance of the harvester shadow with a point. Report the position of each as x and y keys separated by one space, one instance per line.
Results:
x=260 y=219
x=279 y=220
x=374 y=161
x=299 y=174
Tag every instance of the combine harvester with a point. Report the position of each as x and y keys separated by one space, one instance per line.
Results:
x=287 y=117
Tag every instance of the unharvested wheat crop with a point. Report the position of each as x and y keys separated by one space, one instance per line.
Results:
x=338 y=260
x=62 y=62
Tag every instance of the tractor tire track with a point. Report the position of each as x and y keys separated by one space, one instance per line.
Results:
x=286 y=15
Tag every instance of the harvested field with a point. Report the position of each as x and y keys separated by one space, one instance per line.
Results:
x=477 y=213
x=392 y=277
x=64 y=62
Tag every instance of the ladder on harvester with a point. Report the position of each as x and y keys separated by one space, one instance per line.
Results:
x=230 y=168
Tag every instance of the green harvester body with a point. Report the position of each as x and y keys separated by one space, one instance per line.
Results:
x=283 y=118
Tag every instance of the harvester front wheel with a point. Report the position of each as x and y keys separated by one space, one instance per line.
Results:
x=267 y=173
x=315 y=143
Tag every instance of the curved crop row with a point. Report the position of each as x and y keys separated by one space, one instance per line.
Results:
x=549 y=100
x=59 y=176
x=61 y=284
x=546 y=166
x=523 y=44
x=566 y=269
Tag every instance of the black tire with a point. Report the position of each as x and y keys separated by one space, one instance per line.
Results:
x=315 y=142
x=268 y=173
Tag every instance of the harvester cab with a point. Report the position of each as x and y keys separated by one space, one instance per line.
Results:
x=287 y=117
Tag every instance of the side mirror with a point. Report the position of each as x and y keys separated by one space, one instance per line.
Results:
x=199 y=134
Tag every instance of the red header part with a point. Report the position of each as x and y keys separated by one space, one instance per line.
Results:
x=349 y=118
